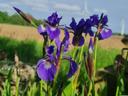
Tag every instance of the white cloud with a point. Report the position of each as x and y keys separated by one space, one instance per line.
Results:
x=66 y=7
x=35 y=5
x=100 y=10
x=6 y=7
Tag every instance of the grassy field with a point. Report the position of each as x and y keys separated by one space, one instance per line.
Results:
x=30 y=33
x=30 y=51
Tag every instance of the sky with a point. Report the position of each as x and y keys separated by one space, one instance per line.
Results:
x=117 y=10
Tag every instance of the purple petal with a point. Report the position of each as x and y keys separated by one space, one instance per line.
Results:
x=73 y=24
x=104 y=20
x=94 y=19
x=88 y=23
x=81 y=23
x=89 y=31
x=66 y=41
x=42 y=30
x=53 y=32
x=53 y=20
x=58 y=42
x=78 y=41
x=73 y=68
x=50 y=49
x=104 y=34
x=45 y=70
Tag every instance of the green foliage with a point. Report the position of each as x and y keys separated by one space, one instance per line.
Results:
x=105 y=57
x=28 y=50
x=15 y=19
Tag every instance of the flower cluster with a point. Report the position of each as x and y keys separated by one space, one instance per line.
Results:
x=55 y=45
x=47 y=68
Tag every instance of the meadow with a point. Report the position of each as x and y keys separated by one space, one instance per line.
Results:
x=29 y=51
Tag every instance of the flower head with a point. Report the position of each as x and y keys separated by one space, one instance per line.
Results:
x=78 y=39
x=54 y=20
x=51 y=29
x=46 y=70
x=104 y=34
x=95 y=20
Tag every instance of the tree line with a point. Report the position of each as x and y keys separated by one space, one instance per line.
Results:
x=15 y=19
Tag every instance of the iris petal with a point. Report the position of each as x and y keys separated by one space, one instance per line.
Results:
x=53 y=20
x=94 y=19
x=104 y=20
x=81 y=23
x=53 y=32
x=104 y=34
x=58 y=43
x=50 y=49
x=65 y=41
x=45 y=70
x=73 y=24
x=42 y=30
x=73 y=68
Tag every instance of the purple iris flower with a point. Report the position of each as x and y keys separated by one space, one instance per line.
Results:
x=104 y=34
x=78 y=39
x=104 y=20
x=73 y=68
x=51 y=29
x=42 y=30
x=64 y=43
x=88 y=27
x=50 y=50
x=54 y=20
x=95 y=20
x=53 y=32
x=46 y=68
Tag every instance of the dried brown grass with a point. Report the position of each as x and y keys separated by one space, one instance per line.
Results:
x=25 y=33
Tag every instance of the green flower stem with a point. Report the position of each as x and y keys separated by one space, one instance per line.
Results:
x=81 y=54
x=74 y=53
x=58 y=69
x=90 y=89
x=74 y=82
x=41 y=86
x=17 y=86
x=95 y=55
x=34 y=24
x=117 y=91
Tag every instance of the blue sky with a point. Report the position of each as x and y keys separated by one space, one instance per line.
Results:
x=116 y=10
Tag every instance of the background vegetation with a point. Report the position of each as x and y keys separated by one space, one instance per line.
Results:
x=15 y=19
x=30 y=51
